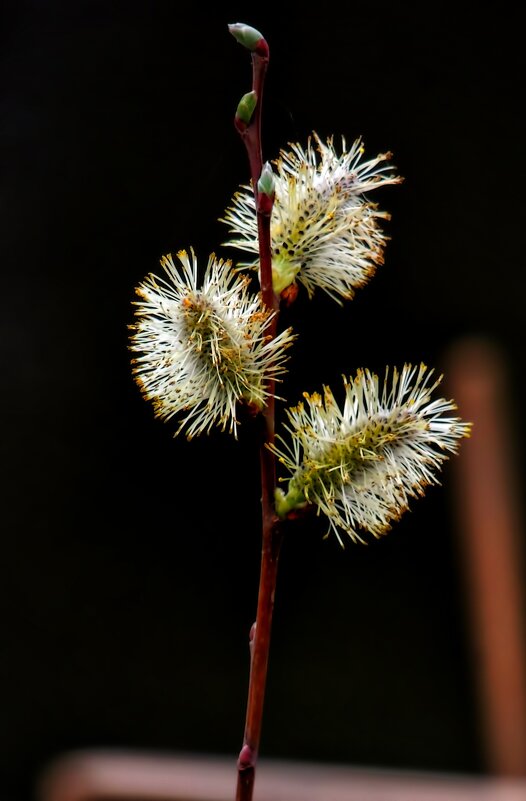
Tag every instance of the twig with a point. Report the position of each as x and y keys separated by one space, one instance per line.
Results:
x=248 y=124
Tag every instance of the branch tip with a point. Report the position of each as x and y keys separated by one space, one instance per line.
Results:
x=250 y=38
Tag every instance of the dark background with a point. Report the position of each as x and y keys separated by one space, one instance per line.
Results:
x=130 y=559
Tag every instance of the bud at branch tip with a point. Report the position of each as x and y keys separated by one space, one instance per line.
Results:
x=249 y=37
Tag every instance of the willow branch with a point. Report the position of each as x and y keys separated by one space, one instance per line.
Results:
x=250 y=132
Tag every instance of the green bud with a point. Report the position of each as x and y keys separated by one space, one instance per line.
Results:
x=249 y=37
x=284 y=272
x=246 y=106
x=266 y=181
x=294 y=499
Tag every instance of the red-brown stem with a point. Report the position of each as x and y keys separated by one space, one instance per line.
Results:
x=251 y=136
x=271 y=530
x=259 y=659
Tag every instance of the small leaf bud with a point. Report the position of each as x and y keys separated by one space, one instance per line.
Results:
x=266 y=189
x=245 y=107
x=266 y=183
x=249 y=37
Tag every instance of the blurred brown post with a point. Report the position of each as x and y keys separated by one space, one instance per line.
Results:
x=488 y=511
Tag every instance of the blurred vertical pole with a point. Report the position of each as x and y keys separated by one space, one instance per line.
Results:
x=489 y=521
